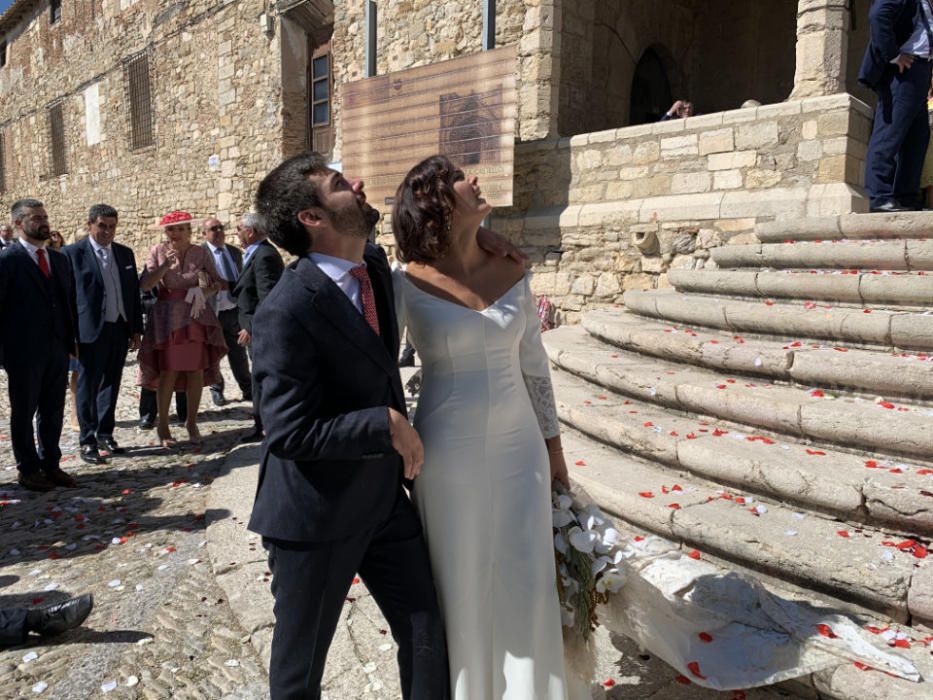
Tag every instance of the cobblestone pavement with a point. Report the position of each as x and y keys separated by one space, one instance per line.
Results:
x=133 y=534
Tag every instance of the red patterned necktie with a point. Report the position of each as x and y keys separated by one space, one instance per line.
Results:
x=367 y=297
x=43 y=263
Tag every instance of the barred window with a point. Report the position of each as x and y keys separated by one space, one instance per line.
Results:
x=138 y=93
x=2 y=164
x=57 y=139
x=55 y=11
x=320 y=87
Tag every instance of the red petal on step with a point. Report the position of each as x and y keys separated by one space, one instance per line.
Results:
x=769 y=302
x=873 y=630
x=896 y=470
x=580 y=463
x=843 y=533
x=817 y=394
x=866 y=311
x=691 y=436
x=841 y=349
x=920 y=552
x=694 y=668
x=587 y=403
x=608 y=683
x=861 y=667
x=872 y=464
x=795 y=344
x=901 y=643
x=826 y=631
x=719 y=433
x=906 y=544
x=683 y=680
x=646 y=494
x=356 y=579
x=816 y=452
x=925 y=472
x=705 y=637
x=601 y=398
x=674 y=506
x=693 y=554
x=720 y=386
x=648 y=424
x=639 y=538
x=740 y=500
x=664 y=489
x=888 y=543
x=677 y=488
x=886 y=404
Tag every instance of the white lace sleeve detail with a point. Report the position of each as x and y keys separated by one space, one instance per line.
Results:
x=541 y=392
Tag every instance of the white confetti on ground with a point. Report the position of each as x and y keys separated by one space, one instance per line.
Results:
x=790 y=533
x=114 y=583
x=231 y=663
x=131 y=681
x=107 y=686
x=40 y=687
x=31 y=656
x=370 y=667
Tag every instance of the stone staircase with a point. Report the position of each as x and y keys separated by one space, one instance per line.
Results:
x=775 y=413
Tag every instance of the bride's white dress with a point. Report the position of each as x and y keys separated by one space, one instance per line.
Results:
x=484 y=494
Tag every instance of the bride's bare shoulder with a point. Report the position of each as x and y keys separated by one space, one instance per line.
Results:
x=506 y=269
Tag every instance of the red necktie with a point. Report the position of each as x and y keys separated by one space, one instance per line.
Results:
x=43 y=263
x=367 y=297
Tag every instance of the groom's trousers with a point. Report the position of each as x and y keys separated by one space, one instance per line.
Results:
x=310 y=582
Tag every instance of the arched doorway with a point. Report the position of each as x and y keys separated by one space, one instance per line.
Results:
x=651 y=89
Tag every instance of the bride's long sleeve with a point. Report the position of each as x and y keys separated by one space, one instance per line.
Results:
x=536 y=368
x=398 y=287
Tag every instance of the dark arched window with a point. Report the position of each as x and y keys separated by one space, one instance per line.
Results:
x=651 y=89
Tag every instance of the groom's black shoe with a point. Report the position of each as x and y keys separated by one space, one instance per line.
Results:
x=60 y=617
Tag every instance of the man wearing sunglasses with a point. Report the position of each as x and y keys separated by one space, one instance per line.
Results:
x=228 y=260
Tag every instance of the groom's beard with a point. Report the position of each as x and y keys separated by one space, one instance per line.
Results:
x=355 y=220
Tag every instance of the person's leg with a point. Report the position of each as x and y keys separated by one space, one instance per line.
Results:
x=51 y=411
x=888 y=132
x=236 y=354
x=148 y=406
x=93 y=359
x=912 y=91
x=118 y=346
x=164 y=396
x=13 y=630
x=257 y=419
x=73 y=390
x=194 y=385
x=23 y=386
x=181 y=406
x=397 y=571
x=309 y=583
x=227 y=320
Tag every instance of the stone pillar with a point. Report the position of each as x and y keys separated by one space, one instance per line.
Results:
x=539 y=57
x=822 y=44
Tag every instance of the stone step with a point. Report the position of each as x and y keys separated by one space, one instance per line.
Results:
x=857 y=287
x=907 y=255
x=900 y=429
x=875 y=490
x=887 y=329
x=801 y=548
x=856 y=226
x=790 y=360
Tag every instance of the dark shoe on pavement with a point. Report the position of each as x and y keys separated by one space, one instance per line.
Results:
x=61 y=478
x=146 y=424
x=218 y=398
x=60 y=617
x=109 y=445
x=255 y=435
x=891 y=207
x=35 y=482
x=91 y=455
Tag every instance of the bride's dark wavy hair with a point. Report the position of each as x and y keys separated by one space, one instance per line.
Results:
x=424 y=204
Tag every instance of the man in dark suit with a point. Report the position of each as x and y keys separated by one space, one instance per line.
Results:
x=897 y=67
x=110 y=323
x=330 y=501
x=228 y=260
x=262 y=268
x=38 y=322
x=6 y=236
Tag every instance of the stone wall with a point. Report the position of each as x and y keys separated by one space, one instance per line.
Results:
x=214 y=77
x=613 y=210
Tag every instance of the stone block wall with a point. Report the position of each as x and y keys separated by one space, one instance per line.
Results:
x=214 y=80
x=607 y=211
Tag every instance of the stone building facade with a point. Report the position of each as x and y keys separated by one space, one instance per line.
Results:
x=606 y=198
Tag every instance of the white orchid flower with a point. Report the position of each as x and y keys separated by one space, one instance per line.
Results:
x=564 y=501
x=560 y=544
x=561 y=518
x=582 y=540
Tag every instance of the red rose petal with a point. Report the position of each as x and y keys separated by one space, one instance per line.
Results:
x=705 y=637
x=674 y=506
x=861 y=667
x=694 y=668
x=646 y=494
x=580 y=463
x=683 y=680
x=843 y=533
x=608 y=683
x=693 y=554
x=816 y=452
x=826 y=631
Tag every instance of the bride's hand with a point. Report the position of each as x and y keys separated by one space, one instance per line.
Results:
x=559 y=469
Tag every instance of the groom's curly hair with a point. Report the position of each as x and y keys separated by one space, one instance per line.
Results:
x=284 y=192
x=424 y=205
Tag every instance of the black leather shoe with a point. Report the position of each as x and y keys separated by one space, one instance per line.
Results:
x=218 y=398
x=891 y=207
x=60 y=617
x=146 y=424
x=255 y=435
x=61 y=478
x=90 y=454
x=35 y=482
x=110 y=446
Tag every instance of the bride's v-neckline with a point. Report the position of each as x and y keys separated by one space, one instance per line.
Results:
x=457 y=303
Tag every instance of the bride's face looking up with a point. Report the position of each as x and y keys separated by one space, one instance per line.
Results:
x=469 y=206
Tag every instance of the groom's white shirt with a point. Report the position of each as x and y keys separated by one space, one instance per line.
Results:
x=338 y=270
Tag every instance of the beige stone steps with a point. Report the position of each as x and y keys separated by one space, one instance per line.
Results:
x=890 y=493
x=888 y=329
x=855 y=423
x=908 y=255
x=800 y=548
x=863 y=288
x=848 y=226
x=790 y=360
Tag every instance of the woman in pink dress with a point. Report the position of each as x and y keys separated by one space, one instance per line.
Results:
x=184 y=341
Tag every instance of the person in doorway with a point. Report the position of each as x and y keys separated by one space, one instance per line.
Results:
x=681 y=109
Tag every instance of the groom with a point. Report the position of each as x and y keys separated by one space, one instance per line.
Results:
x=330 y=501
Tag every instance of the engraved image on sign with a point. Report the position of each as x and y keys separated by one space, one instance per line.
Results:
x=465 y=108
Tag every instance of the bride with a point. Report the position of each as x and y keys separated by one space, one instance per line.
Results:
x=491 y=437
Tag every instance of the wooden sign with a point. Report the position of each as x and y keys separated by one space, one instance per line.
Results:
x=465 y=109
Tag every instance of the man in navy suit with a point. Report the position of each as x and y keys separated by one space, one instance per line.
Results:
x=897 y=67
x=37 y=334
x=110 y=323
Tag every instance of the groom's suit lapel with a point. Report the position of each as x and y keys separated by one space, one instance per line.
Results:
x=337 y=309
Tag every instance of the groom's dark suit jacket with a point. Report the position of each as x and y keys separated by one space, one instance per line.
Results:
x=325 y=384
x=892 y=24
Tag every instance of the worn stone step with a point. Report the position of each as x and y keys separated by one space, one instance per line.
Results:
x=856 y=226
x=888 y=329
x=883 y=426
x=790 y=359
x=861 y=488
x=908 y=255
x=799 y=547
x=859 y=287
